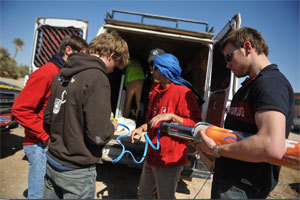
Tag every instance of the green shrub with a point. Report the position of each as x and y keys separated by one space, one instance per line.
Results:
x=9 y=67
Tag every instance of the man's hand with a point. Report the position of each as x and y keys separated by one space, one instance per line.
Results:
x=47 y=142
x=206 y=145
x=138 y=131
x=160 y=117
x=115 y=125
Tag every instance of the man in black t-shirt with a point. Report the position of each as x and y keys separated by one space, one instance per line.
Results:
x=263 y=106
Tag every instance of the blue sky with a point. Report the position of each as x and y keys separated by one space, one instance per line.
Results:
x=278 y=21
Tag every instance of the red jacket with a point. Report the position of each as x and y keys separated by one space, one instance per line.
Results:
x=29 y=106
x=181 y=101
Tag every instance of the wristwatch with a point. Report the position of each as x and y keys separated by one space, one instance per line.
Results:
x=216 y=151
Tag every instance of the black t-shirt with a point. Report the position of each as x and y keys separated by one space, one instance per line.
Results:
x=269 y=90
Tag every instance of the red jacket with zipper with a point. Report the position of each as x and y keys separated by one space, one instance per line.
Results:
x=30 y=104
x=181 y=101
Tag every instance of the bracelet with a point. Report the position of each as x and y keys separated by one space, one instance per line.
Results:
x=173 y=118
x=216 y=151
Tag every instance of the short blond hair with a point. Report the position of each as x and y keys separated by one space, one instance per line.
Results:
x=108 y=43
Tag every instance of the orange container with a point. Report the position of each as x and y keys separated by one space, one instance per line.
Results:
x=290 y=159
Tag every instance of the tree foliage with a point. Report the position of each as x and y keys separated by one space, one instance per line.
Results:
x=9 y=67
x=19 y=44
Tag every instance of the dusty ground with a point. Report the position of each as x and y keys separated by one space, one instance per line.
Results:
x=115 y=181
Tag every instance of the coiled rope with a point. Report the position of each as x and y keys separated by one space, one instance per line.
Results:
x=147 y=141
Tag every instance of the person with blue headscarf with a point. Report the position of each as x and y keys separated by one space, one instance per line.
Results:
x=171 y=100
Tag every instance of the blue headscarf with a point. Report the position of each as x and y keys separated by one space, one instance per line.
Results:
x=168 y=65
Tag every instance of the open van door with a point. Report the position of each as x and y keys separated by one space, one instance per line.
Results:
x=223 y=83
x=48 y=33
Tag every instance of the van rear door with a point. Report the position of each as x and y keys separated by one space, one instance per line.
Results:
x=223 y=83
x=48 y=33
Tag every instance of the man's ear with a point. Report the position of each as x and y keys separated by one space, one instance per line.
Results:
x=110 y=56
x=248 y=46
x=68 y=50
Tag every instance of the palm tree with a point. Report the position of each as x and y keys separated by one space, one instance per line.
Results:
x=19 y=43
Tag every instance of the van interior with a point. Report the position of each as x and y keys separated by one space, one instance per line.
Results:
x=192 y=56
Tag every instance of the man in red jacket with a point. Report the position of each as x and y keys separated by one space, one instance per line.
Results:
x=29 y=107
x=171 y=100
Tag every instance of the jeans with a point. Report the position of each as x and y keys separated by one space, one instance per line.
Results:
x=72 y=184
x=36 y=155
x=158 y=182
x=227 y=188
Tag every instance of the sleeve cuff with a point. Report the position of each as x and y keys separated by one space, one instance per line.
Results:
x=44 y=137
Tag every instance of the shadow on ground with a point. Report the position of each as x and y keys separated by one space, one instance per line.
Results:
x=295 y=186
x=10 y=144
x=121 y=182
x=25 y=193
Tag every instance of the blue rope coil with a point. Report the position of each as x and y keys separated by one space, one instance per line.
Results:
x=147 y=141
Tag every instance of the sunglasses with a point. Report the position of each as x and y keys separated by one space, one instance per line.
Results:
x=153 y=68
x=228 y=57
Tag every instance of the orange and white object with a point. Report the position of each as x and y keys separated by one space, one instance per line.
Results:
x=221 y=136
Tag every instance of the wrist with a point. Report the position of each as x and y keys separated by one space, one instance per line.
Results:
x=216 y=151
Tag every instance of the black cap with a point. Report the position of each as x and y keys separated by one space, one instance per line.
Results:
x=153 y=53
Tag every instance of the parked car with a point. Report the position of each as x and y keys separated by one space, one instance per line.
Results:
x=8 y=94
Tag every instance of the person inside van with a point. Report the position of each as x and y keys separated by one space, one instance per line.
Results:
x=134 y=80
x=172 y=101
x=264 y=107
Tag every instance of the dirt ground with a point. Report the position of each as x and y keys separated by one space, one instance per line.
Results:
x=115 y=181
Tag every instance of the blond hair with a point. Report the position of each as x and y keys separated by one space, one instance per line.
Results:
x=108 y=43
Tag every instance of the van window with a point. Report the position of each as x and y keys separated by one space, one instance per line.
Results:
x=48 y=41
x=220 y=79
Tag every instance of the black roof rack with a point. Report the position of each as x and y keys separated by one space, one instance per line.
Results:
x=111 y=19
